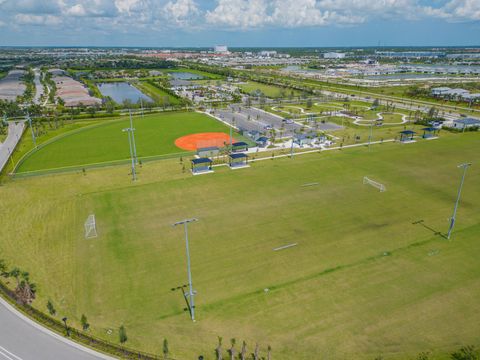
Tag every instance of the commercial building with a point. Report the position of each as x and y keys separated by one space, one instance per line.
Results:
x=334 y=55
x=222 y=49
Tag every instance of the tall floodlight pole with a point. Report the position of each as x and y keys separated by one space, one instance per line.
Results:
x=371 y=134
x=465 y=166
x=291 y=147
x=134 y=146
x=128 y=131
x=34 y=139
x=191 y=292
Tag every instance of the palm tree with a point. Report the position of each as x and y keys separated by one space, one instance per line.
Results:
x=15 y=272
x=218 y=350
x=255 y=352
x=243 y=352
x=232 y=348
x=269 y=351
x=3 y=268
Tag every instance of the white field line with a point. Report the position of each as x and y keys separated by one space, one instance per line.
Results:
x=8 y=355
x=285 y=247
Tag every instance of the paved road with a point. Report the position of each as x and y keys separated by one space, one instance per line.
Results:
x=15 y=131
x=38 y=87
x=21 y=339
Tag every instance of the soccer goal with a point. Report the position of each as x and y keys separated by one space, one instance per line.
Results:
x=373 y=183
x=90 y=227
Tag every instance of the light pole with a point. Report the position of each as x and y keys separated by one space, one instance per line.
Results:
x=31 y=129
x=371 y=134
x=134 y=146
x=128 y=131
x=465 y=166
x=191 y=292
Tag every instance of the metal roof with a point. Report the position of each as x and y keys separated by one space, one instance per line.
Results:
x=468 y=121
x=201 y=161
x=407 y=132
x=238 y=156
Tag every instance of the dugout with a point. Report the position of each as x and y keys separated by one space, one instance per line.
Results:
x=406 y=136
x=430 y=133
x=201 y=166
x=239 y=146
x=208 y=151
x=237 y=160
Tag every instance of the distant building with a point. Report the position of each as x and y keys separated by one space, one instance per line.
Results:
x=411 y=54
x=459 y=94
x=222 y=49
x=334 y=55
x=466 y=123
x=268 y=53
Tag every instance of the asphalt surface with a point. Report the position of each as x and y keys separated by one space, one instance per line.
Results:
x=15 y=131
x=21 y=339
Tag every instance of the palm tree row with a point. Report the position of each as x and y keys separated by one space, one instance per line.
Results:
x=24 y=290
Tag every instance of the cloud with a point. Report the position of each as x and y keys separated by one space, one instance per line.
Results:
x=248 y=14
x=181 y=11
x=456 y=11
x=29 y=19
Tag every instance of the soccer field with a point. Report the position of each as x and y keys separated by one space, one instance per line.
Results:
x=105 y=142
x=365 y=280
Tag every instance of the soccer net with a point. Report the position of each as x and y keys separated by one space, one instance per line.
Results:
x=375 y=184
x=90 y=227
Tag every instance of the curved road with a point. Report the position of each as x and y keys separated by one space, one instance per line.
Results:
x=23 y=339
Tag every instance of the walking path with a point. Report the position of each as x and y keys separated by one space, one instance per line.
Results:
x=15 y=131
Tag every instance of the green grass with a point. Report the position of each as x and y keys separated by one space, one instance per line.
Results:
x=362 y=282
x=105 y=142
x=155 y=93
x=270 y=91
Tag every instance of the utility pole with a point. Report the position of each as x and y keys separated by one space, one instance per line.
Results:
x=191 y=293
x=34 y=139
x=128 y=131
x=465 y=166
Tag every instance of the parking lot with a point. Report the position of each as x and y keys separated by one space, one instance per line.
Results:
x=254 y=119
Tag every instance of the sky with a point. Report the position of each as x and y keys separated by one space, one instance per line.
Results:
x=240 y=23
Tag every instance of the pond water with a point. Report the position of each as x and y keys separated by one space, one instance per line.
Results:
x=121 y=91
x=185 y=76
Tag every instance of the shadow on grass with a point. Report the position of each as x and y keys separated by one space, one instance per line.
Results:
x=434 y=231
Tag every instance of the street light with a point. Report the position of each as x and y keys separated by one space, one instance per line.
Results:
x=191 y=292
x=465 y=166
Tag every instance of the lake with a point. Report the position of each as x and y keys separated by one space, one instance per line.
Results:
x=121 y=91
x=185 y=76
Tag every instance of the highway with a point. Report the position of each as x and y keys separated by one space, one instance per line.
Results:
x=22 y=339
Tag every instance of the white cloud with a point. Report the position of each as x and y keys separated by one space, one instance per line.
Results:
x=181 y=11
x=29 y=19
x=457 y=10
x=246 y=14
x=239 y=13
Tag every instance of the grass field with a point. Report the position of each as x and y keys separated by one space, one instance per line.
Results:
x=270 y=91
x=105 y=141
x=155 y=93
x=363 y=281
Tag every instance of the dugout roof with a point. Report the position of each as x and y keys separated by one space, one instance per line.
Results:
x=201 y=161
